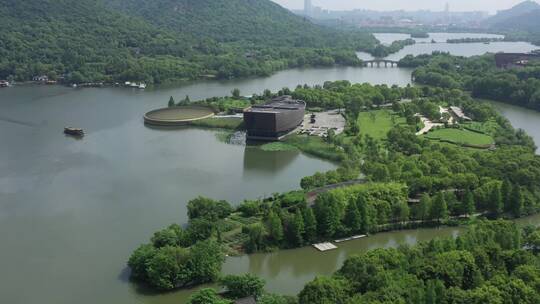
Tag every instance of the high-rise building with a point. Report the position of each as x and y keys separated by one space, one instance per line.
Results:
x=308 y=7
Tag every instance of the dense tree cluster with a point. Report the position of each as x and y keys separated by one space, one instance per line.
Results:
x=178 y=257
x=353 y=97
x=487 y=264
x=480 y=76
x=239 y=287
x=381 y=50
x=158 y=41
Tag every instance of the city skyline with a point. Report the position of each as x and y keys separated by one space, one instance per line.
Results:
x=387 y=5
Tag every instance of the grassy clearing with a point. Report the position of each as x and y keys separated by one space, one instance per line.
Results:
x=378 y=123
x=229 y=123
x=277 y=147
x=461 y=137
x=489 y=127
x=315 y=146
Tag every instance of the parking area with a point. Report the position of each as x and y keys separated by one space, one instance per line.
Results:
x=318 y=124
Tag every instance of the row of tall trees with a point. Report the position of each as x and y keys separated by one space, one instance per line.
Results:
x=479 y=75
x=178 y=257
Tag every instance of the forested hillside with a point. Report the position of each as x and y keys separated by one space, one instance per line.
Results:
x=516 y=11
x=260 y=22
x=522 y=22
x=156 y=41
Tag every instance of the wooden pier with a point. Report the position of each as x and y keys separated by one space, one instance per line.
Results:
x=324 y=246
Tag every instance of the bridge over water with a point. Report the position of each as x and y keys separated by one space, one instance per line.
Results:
x=380 y=62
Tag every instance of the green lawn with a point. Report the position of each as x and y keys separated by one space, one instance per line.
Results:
x=277 y=147
x=315 y=146
x=489 y=127
x=377 y=123
x=220 y=123
x=461 y=137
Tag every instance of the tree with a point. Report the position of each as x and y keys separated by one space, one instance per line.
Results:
x=186 y=101
x=353 y=218
x=199 y=229
x=506 y=191
x=274 y=227
x=207 y=296
x=256 y=235
x=167 y=237
x=516 y=201
x=138 y=261
x=327 y=214
x=424 y=207
x=172 y=103
x=310 y=225
x=205 y=262
x=324 y=290
x=235 y=93
x=210 y=209
x=495 y=200
x=363 y=208
x=401 y=212
x=165 y=269
x=469 y=206
x=439 y=209
x=295 y=230
x=241 y=286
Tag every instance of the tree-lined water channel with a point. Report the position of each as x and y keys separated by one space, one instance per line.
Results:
x=71 y=211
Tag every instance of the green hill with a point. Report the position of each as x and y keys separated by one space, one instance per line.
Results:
x=522 y=22
x=256 y=21
x=163 y=40
x=505 y=17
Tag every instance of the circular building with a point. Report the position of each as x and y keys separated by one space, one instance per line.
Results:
x=177 y=116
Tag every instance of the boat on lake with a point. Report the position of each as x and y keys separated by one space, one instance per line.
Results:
x=142 y=86
x=4 y=83
x=74 y=131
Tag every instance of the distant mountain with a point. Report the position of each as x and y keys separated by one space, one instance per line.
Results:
x=158 y=40
x=507 y=17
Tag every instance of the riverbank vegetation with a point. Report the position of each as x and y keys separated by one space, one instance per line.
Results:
x=492 y=262
x=474 y=40
x=381 y=50
x=396 y=182
x=480 y=76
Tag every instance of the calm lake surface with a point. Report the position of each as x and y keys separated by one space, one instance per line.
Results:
x=71 y=212
x=424 y=46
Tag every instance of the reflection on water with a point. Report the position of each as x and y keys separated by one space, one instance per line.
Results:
x=521 y=118
x=287 y=271
x=258 y=162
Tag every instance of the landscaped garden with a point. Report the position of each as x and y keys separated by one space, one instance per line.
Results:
x=378 y=123
x=461 y=137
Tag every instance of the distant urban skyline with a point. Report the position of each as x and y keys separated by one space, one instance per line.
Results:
x=387 y=5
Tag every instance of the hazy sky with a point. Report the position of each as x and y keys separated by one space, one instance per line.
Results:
x=438 y=5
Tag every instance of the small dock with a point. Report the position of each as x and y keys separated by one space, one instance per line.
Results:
x=352 y=238
x=324 y=246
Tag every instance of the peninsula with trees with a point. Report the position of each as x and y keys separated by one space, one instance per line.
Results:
x=390 y=176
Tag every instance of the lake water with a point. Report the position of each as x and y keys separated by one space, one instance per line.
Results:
x=424 y=46
x=388 y=38
x=71 y=211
